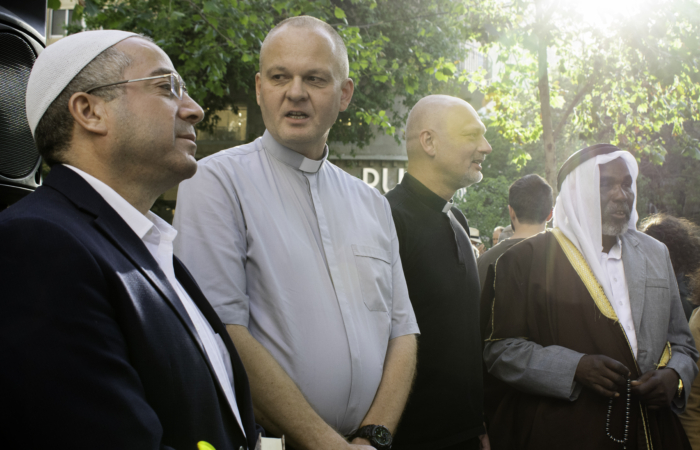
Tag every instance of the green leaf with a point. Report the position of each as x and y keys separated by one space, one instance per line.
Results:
x=54 y=4
x=210 y=6
x=339 y=13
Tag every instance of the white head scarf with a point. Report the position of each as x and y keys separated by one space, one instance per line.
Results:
x=577 y=211
x=59 y=63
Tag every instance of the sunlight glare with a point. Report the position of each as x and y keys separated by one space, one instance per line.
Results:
x=604 y=11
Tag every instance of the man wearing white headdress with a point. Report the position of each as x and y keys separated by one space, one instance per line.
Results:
x=586 y=344
x=106 y=342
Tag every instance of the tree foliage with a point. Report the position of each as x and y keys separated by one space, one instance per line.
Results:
x=621 y=82
x=398 y=51
x=486 y=205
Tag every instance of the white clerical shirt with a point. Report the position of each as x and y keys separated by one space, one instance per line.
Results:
x=612 y=265
x=306 y=256
x=158 y=237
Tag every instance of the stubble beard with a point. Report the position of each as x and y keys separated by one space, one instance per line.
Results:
x=613 y=227
x=472 y=177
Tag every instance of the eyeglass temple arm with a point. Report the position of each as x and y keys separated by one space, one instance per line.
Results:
x=129 y=81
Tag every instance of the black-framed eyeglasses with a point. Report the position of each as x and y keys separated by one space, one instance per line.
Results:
x=177 y=84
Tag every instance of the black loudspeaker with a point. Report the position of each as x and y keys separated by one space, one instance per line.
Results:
x=22 y=29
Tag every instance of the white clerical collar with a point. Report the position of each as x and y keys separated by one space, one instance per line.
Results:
x=138 y=222
x=448 y=206
x=290 y=157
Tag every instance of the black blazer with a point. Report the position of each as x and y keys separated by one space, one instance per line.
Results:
x=96 y=349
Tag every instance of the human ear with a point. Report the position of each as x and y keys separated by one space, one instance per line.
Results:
x=428 y=142
x=511 y=213
x=257 y=88
x=89 y=112
x=347 y=88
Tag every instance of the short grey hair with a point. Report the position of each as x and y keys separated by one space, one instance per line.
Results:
x=54 y=132
x=308 y=22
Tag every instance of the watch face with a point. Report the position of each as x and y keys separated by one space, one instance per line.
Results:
x=381 y=435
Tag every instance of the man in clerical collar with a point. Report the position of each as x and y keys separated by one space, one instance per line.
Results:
x=301 y=259
x=587 y=345
x=446 y=147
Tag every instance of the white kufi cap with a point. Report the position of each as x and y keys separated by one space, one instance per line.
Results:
x=59 y=63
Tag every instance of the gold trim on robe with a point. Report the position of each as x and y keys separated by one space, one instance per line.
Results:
x=589 y=280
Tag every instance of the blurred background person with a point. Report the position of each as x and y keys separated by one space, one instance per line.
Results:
x=691 y=417
x=682 y=238
x=507 y=233
x=479 y=247
x=496 y=234
x=530 y=208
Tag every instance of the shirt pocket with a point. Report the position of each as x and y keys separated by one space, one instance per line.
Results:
x=374 y=273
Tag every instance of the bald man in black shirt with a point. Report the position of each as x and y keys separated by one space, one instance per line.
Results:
x=446 y=146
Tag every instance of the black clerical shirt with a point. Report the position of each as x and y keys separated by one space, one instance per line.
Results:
x=446 y=403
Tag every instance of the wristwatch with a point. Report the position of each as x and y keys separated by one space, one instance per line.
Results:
x=378 y=435
x=679 y=394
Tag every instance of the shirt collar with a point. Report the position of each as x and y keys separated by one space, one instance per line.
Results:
x=290 y=157
x=616 y=250
x=425 y=195
x=136 y=221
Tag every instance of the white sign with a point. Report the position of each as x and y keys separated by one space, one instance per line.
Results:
x=372 y=178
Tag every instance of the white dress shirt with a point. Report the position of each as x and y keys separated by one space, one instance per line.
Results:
x=158 y=236
x=612 y=265
x=306 y=256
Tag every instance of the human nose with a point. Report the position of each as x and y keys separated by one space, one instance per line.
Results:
x=190 y=110
x=296 y=91
x=484 y=146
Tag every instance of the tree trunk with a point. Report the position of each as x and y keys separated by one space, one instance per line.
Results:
x=550 y=160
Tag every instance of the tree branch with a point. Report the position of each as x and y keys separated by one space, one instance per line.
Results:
x=575 y=101
x=201 y=13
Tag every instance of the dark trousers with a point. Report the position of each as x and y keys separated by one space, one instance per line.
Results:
x=471 y=444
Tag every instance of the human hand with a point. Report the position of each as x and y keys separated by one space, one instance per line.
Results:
x=657 y=388
x=602 y=374
x=485 y=444
x=361 y=444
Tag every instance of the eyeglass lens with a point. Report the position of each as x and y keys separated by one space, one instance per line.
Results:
x=177 y=86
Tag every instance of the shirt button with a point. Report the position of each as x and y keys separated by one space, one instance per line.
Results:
x=620 y=303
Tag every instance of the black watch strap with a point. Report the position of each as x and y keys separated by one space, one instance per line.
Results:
x=378 y=435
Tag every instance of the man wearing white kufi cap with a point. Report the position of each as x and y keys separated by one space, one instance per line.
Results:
x=105 y=339
x=586 y=344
